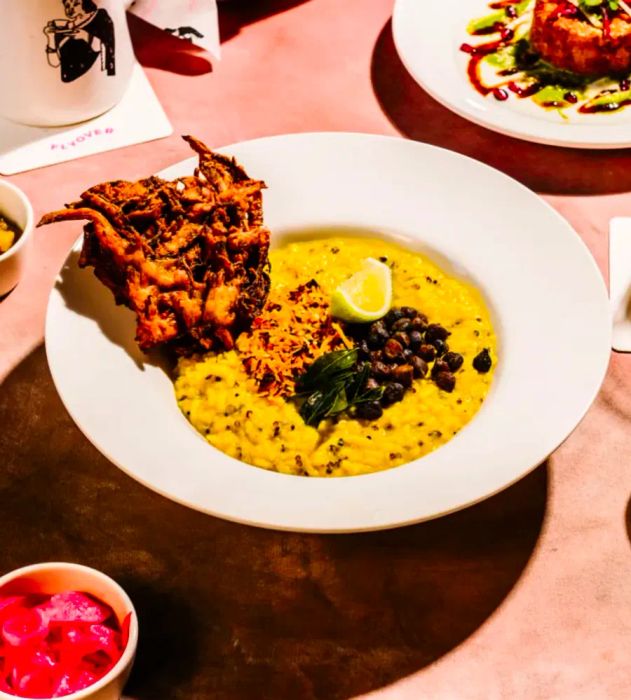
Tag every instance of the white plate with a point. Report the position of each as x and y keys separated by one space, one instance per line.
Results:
x=548 y=300
x=428 y=36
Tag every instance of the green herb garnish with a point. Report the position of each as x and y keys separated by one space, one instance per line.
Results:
x=592 y=5
x=503 y=58
x=543 y=72
x=328 y=369
x=488 y=22
x=610 y=101
x=333 y=384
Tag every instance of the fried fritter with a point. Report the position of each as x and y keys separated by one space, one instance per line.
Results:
x=561 y=35
x=189 y=256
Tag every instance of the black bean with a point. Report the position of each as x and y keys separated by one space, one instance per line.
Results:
x=370 y=410
x=445 y=381
x=402 y=338
x=402 y=324
x=393 y=392
x=375 y=341
x=379 y=370
x=403 y=375
x=416 y=340
x=482 y=361
x=441 y=346
x=436 y=332
x=420 y=367
x=419 y=322
x=407 y=355
x=376 y=356
x=409 y=312
x=378 y=327
x=439 y=366
x=393 y=315
x=454 y=360
x=427 y=352
x=377 y=337
x=392 y=349
x=363 y=351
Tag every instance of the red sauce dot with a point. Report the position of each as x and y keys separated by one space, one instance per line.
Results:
x=500 y=94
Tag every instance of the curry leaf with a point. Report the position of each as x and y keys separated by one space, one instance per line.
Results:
x=321 y=404
x=340 y=403
x=332 y=367
x=370 y=395
x=333 y=384
x=357 y=383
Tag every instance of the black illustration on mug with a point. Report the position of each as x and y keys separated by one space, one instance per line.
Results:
x=186 y=33
x=77 y=41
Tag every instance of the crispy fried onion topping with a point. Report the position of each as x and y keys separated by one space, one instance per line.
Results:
x=293 y=330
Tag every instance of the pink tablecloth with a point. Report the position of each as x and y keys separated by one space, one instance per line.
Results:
x=564 y=630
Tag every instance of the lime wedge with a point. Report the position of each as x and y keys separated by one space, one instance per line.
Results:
x=366 y=296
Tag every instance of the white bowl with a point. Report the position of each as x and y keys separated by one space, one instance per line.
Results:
x=56 y=577
x=15 y=206
x=548 y=299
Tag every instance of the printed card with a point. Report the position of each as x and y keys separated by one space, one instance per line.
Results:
x=138 y=118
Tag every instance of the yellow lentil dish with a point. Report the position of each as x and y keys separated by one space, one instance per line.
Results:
x=221 y=401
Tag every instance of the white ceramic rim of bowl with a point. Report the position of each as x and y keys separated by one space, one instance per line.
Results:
x=426 y=38
x=132 y=641
x=28 y=228
x=225 y=487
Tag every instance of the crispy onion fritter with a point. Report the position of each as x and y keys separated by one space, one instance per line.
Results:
x=573 y=43
x=188 y=256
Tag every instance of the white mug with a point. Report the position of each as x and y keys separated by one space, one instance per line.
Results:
x=62 y=61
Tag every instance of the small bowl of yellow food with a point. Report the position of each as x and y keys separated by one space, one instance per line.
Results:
x=16 y=227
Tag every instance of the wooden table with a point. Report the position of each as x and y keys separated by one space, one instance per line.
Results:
x=523 y=596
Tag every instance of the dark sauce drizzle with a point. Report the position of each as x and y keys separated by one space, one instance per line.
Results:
x=501 y=92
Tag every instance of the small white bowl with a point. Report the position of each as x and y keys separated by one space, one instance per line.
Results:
x=15 y=206
x=56 y=577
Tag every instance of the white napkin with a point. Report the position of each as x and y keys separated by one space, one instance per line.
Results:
x=189 y=20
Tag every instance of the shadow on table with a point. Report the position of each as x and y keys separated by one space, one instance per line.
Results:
x=228 y=611
x=545 y=169
x=155 y=48
x=627 y=519
x=236 y=14
x=85 y=295
x=168 y=645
